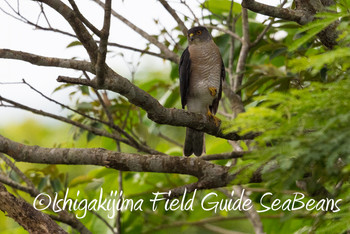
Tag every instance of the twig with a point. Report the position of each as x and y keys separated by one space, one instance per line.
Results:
x=91 y=129
x=17 y=170
x=262 y=34
x=244 y=51
x=168 y=53
x=170 y=140
x=102 y=219
x=195 y=18
x=229 y=32
x=82 y=33
x=230 y=155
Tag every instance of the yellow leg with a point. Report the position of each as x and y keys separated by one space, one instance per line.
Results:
x=216 y=119
x=212 y=91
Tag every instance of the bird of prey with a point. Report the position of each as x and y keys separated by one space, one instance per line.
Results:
x=201 y=72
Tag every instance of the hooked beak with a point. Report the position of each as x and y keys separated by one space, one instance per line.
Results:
x=191 y=36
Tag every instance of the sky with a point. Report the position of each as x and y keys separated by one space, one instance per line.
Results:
x=17 y=35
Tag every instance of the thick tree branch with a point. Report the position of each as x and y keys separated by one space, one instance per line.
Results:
x=83 y=19
x=282 y=13
x=63 y=216
x=102 y=49
x=155 y=110
x=24 y=214
x=46 y=61
x=209 y=175
x=136 y=96
x=304 y=13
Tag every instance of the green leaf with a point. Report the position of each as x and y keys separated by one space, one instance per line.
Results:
x=84 y=106
x=74 y=43
x=221 y=7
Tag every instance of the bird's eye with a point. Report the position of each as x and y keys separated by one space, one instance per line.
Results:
x=199 y=32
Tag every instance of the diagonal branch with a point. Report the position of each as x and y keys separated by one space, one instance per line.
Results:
x=83 y=19
x=82 y=33
x=155 y=111
x=175 y=16
x=116 y=83
x=94 y=130
x=24 y=214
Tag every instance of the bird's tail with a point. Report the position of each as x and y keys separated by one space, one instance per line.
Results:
x=194 y=142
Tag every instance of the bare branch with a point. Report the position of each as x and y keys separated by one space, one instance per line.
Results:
x=137 y=50
x=262 y=34
x=17 y=170
x=6 y=180
x=46 y=61
x=82 y=33
x=230 y=155
x=63 y=216
x=96 y=131
x=175 y=16
x=168 y=53
x=157 y=112
x=83 y=19
x=229 y=32
x=24 y=214
x=102 y=49
x=244 y=51
x=282 y=13
x=206 y=172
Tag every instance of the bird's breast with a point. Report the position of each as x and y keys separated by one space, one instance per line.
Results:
x=205 y=69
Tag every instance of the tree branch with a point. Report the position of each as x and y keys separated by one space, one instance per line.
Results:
x=82 y=33
x=282 y=13
x=168 y=53
x=83 y=19
x=94 y=130
x=244 y=51
x=102 y=49
x=175 y=16
x=24 y=214
x=46 y=61
x=206 y=172
x=155 y=111
x=304 y=13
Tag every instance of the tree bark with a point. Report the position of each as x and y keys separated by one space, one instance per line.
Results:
x=25 y=215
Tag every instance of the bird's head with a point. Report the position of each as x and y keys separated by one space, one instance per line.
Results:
x=198 y=34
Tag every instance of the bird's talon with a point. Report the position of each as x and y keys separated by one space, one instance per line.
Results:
x=212 y=91
x=216 y=119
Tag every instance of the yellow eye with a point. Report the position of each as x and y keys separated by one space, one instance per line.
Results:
x=199 y=32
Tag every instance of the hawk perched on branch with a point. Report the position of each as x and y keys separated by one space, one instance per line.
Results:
x=202 y=72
